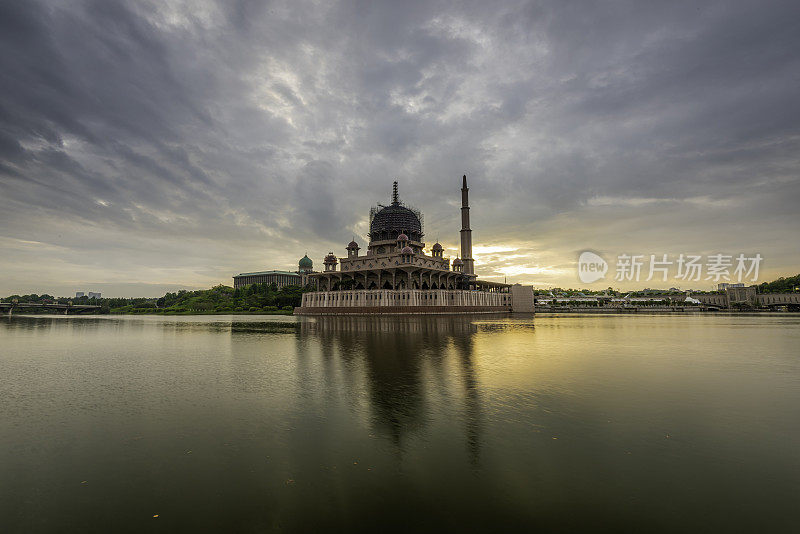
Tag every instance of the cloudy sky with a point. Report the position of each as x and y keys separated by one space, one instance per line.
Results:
x=147 y=146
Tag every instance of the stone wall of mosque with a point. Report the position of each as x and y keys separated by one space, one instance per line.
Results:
x=403 y=301
x=522 y=298
x=392 y=259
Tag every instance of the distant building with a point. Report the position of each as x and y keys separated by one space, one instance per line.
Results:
x=739 y=294
x=280 y=278
x=94 y=295
x=724 y=285
x=79 y=294
x=747 y=296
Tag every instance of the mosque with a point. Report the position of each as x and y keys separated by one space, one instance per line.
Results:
x=395 y=275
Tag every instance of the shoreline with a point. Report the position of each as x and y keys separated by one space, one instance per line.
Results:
x=28 y=314
x=543 y=313
x=271 y=312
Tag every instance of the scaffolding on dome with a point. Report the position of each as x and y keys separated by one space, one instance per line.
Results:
x=396 y=212
x=378 y=207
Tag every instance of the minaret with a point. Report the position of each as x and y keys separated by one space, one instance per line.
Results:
x=466 y=232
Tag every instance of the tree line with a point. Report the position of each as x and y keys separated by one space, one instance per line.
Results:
x=258 y=298
x=781 y=285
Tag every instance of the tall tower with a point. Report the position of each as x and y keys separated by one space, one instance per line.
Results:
x=466 y=232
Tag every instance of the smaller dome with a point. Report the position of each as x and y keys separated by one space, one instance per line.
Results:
x=306 y=262
x=402 y=237
x=330 y=258
x=407 y=250
x=352 y=244
x=437 y=246
x=458 y=261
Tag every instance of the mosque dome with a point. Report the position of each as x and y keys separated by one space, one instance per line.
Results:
x=305 y=262
x=407 y=250
x=402 y=237
x=330 y=258
x=395 y=219
x=458 y=261
x=352 y=244
x=437 y=246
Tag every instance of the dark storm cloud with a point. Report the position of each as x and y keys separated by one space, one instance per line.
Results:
x=179 y=142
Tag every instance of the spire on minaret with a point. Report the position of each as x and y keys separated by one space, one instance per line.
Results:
x=395 y=196
x=465 y=183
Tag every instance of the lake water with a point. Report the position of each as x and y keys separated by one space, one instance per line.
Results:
x=418 y=424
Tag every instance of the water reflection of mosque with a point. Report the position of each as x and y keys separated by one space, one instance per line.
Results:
x=405 y=361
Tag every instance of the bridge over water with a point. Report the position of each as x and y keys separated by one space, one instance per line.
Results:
x=748 y=295
x=66 y=309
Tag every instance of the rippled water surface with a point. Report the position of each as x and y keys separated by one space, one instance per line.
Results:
x=257 y=424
